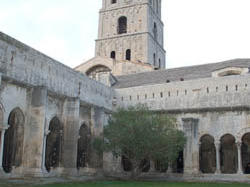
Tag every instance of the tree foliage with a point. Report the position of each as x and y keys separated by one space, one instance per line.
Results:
x=138 y=134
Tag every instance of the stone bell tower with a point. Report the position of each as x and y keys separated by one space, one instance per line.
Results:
x=131 y=30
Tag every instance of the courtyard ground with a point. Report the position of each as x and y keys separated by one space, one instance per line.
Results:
x=127 y=184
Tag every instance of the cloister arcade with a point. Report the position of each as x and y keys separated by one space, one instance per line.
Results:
x=226 y=156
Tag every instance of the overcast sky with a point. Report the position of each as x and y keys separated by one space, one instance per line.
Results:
x=196 y=31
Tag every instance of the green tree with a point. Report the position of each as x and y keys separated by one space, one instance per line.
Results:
x=139 y=134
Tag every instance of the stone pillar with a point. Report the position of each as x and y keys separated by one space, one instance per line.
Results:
x=70 y=135
x=240 y=172
x=191 y=151
x=98 y=120
x=152 y=166
x=44 y=150
x=34 y=133
x=1 y=148
x=170 y=169
x=217 y=146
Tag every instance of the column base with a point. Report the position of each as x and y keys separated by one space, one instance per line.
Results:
x=217 y=172
x=240 y=173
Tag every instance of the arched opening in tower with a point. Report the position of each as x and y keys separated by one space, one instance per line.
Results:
x=122 y=25
x=228 y=155
x=207 y=154
x=128 y=54
x=83 y=146
x=54 y=144
x=245 y=153
x=112 y=55
x=13 y=141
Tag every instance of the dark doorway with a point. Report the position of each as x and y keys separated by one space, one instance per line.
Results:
x=83 y=146
x=228 y=155
x=207 y=154
x=54 y=144
x=13 y=141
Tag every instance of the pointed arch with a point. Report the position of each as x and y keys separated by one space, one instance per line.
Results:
x=13 y=141
x=53 y=149
x=83 y=146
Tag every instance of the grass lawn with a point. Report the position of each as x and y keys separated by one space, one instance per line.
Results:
x=131 y=184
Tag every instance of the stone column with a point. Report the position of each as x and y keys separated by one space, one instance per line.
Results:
x=44 y=150
x=152 y=166
x=240 y=172
x=1 y=148
x=70 y=135
x=170 y=169
x=217 y=146
x=33 y=144
x=191 y=151
x=97 y=123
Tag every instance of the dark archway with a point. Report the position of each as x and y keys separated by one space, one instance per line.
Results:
x=245 y=153
x=53 y=150
x=13 y=141
x=178 y=165
x=228 y=154
x=122 y=25
x=83 y=146
x=207 y=154
x=128 y=54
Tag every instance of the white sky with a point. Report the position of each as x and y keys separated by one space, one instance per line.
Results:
x=196 y=31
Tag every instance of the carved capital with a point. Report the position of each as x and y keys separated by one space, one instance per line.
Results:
x=217 y=144
x=46 y=133
x=239 y=144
